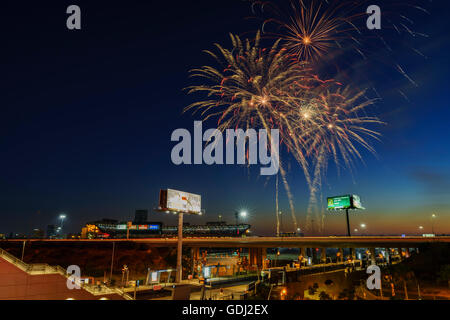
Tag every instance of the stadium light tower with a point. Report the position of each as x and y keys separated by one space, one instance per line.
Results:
x=241 y=214
x=433 y=217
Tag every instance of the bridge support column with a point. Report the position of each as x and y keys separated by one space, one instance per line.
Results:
x=256 y=256
x=304 y=253
x=314 y=255
x=353 y=253
x=251 y=256
x=263 y=258
x=372 y=256
x=323 y=255
x=195 y=256
x=400 y=253
x=340 y=255
x=388 y=255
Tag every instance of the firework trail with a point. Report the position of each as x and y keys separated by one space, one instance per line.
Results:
x=334 y=131
x=249 y=91
x=334 y=37
x=271 y=89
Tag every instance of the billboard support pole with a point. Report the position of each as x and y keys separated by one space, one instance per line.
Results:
x=348 y=223
x=179 y=248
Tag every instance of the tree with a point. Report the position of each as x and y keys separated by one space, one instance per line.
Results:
x=324 y=296
x=444 y=274
x=403 y=273
x=311 y=291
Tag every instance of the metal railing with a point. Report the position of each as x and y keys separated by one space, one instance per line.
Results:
x=15 y=261
x=44 y=268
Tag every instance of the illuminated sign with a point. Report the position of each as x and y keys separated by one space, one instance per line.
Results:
x=207 y=272
x=121 y=227
x=179 y=201
x=336 y=203
x=142 y=227
x=344 y=202
x=153 y=227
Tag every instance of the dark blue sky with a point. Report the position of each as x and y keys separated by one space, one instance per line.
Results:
x=86 y=119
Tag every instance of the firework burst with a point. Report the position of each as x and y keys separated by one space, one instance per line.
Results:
x=334 y=36
x=249 y=91
x=331 y=124
x=269 y=88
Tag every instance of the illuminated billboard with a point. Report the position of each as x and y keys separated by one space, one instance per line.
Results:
x=344 y=202
x=179 y=201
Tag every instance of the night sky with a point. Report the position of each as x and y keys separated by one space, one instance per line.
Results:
x=86 y=118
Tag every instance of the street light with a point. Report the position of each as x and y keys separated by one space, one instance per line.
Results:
x=433 y=217
x=363 y=227
x=281 y=221
x=62 y=217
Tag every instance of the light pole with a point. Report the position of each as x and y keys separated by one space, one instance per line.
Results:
x=62 y=216
x=281 y=222
x=433 y=217
x=420 y=228
x=241 y=214
x=363 y=226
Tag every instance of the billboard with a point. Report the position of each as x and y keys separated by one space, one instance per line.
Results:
x=179 y=201
x=338 y=203
x=344 y=202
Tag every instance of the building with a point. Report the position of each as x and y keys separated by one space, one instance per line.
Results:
x=51 y=231
x=109 y=228
x=140 y=216
x=38 y=234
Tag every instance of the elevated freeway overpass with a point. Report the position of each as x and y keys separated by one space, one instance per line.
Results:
x=269 y=242
x=257 y=246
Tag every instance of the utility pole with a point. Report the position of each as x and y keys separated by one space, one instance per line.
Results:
x=276 y=207
x=23 y=249
x=179 y=275
x=112 y=263
x=348 y=223
x=281 y=222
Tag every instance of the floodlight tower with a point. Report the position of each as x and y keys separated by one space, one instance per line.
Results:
x=241 y=214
